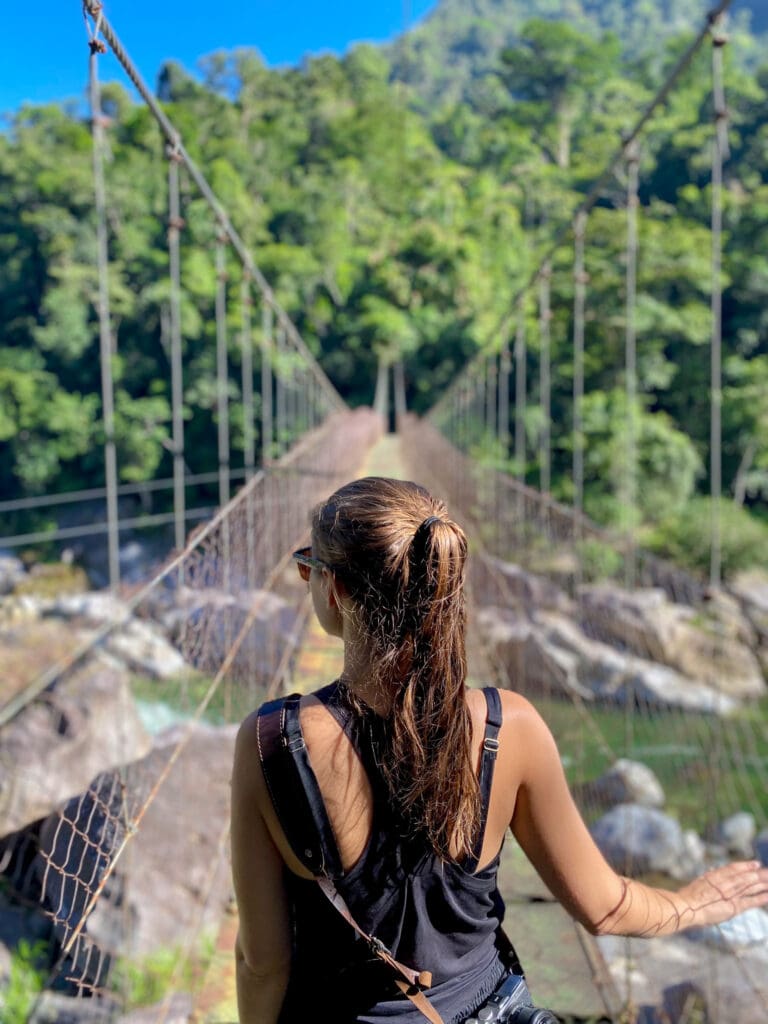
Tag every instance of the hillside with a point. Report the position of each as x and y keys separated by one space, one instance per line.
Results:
x=459 y=42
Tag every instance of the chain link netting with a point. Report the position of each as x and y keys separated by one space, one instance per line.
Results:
x=117 y=859
x=661 y=674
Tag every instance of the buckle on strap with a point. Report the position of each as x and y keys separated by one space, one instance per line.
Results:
x=378 y=948
x=294 y=743
x=491 y=744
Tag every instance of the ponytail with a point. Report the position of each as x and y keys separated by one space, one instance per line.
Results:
x=402 y=560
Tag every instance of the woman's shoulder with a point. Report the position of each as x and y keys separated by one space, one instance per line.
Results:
x=514 y=705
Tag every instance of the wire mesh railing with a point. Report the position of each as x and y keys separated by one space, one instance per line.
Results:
x=114 y=779
x=655 y=693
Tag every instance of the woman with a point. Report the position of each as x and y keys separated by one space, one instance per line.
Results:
x=420 y=778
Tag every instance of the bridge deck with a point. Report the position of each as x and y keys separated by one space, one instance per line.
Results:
x=564 y=968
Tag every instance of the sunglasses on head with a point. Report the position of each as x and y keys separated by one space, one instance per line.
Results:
x=305 y=563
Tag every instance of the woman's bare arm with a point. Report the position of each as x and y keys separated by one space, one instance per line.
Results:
x=263 y=947
x=549 y=828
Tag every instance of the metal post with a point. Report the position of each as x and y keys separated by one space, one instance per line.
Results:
x=505 y=369
x=266 y=383
x=175 y=224
x=545 y=379
x=399 y=389
x=579 y=300
x=491 y=397
x=246 y=365
x=105 y=329
x=381 y=398
x=630 y=496
x=719 y=154
x=222 y=377
x=280 y=388
x=520 y=393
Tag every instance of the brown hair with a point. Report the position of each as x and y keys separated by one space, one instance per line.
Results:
x=401 y=560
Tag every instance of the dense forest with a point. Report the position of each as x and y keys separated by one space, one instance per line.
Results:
x=396 y=217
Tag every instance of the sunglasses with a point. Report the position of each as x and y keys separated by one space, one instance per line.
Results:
x=305 y=563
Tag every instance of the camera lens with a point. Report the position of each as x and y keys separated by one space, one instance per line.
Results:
x=532 y=1015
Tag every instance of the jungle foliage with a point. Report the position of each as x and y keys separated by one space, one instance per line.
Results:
x=398 y=222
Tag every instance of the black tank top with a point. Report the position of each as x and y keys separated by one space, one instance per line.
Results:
x=433 y=915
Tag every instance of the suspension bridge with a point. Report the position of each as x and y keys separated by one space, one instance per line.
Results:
x=117 y=867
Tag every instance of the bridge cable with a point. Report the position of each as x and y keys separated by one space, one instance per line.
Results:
x=175 y=225
x=633 y=412
x=719 y=154
x=106 y=342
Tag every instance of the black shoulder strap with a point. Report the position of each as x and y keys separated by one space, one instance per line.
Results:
x=493 y=720
x=293 y=787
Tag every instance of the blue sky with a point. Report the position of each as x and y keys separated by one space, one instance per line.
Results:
x=43 y=48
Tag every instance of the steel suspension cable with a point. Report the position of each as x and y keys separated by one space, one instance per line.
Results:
x=267 y=427
x=175 y=224
x=616 y=159
x=632 y=426
x=222 y=379
x=719 y=154
x=246 y=370
x=545 y=380
x=106 y=343
x=579 y=301
x=94 y=10
x=520 y=394
x=505 y=369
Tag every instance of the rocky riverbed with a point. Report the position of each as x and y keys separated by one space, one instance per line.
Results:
x=78 y=762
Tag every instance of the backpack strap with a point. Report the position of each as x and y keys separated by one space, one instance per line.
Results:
x=493 y=721
x=299 y=807
x=293 y=787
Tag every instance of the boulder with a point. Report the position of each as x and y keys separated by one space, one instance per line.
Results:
x=12 y=571
x=205 y=623
x=761 y=846
x=644 y=973
x=751 y=589
x=549 y=654
x=737 y=834
x=85 y=723
x=143 y=648
x=530 y=662
x=528 y=591
x=173 y=877
x=91 y=609
x=626 y=782
x=712 y=650
x=639 y=840
x=741 y=932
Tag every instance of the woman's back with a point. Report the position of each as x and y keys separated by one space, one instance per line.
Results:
x=440 y=915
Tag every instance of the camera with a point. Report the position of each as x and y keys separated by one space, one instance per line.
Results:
x=511 y=1004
